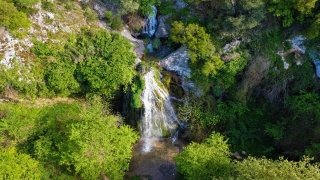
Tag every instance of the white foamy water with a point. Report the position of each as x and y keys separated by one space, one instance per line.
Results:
x=151 y=23
x=159 y=117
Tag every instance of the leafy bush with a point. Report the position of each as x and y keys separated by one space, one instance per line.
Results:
x=208 y=160
x=16 y=165
x=13 y=19
x=200 y=49
x=136 y=90
x=90 y=14
x=48 y=6
x=115 y=21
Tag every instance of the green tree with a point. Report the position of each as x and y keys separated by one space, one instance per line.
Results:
x=313 y=30
x=200 y=48
x=262 y=168
x=246 y=14
x=17 y=123
x=304 y=6
x=208 y=160
x=14 y=165
x=12 y=18
x=87 y=141
x=25 y=3
x=108 y=62
x=59 y=77
x=291 y=10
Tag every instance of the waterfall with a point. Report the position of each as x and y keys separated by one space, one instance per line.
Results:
x=151 y=23
x=233 y=9
x=159 y=118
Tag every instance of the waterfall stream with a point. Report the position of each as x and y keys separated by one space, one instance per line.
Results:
x=159 y=118
x=151 y=23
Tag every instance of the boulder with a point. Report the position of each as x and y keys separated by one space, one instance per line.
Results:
x=177 y=62
x=180 y=4
x=164 y=28
x=231 y=46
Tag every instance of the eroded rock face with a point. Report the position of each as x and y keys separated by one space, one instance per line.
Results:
x=138 y=44
x=254 y=74
x=177 y=62
x=298 y=48
x=180 y=4
x=231 y=46
x=164 y=28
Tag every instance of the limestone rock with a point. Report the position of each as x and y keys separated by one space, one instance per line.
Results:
x=163 y=30
x=177 y=62
x=231 y=46
x=138 y=44
x=180 y=4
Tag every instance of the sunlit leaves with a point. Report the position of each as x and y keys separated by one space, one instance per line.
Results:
x=208 y=160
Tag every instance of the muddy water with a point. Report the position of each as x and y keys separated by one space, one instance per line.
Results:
x=158 y=164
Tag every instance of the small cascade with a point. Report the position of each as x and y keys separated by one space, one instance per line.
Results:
x=159 y=118
x=151 y=24
x=233 y=4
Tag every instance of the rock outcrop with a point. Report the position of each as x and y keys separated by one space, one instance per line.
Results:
x=164 y=28
x=177 y=62
x=138 y=44
x=180 y=4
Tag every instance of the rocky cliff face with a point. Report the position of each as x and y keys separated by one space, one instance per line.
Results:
x=46 y=26
x=177 y=62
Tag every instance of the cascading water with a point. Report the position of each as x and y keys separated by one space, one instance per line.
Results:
x=159 y=118
x=151 y=24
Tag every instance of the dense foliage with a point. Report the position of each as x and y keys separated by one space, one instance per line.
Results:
x=211 y=160
x=208 y=160
x=69 y=138
x=70 y=70
x=13 y=19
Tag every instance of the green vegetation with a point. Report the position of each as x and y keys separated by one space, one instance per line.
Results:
x=69 y=138
x=69 y=70
x=15 y=165
x=136 y=90
x=13 y=19
x=211 y=160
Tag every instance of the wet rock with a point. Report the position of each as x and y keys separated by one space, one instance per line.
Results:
x=167 y=169
x=164 y=28
x=180 y=4
x=317 y=64
x=297 y=43
x=255 y=72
